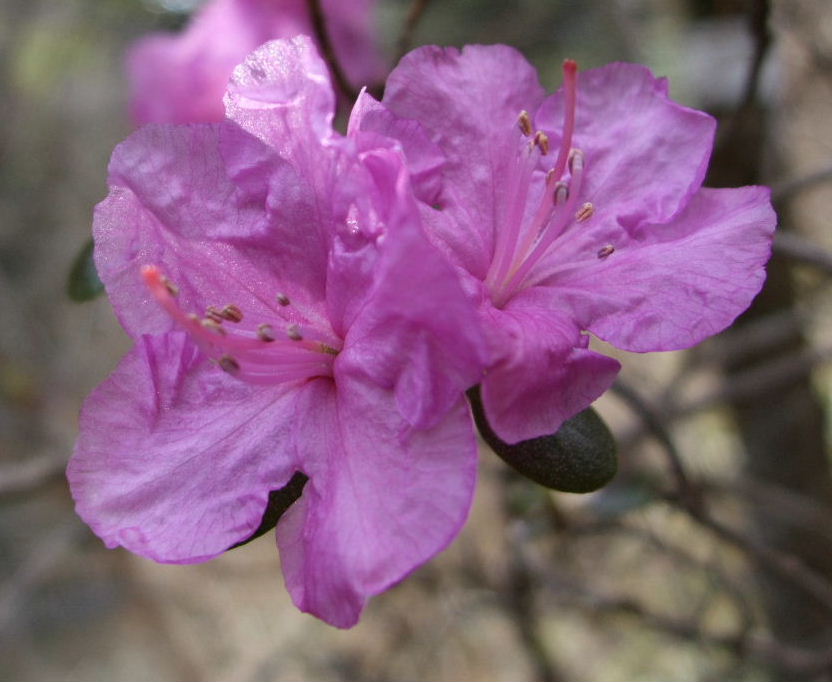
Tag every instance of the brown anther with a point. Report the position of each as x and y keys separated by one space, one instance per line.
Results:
x=293 y=332
x=232 y=313
x=265 y=332
x=229 y=364
x=212 y=326
x=283 y=299
x=605 y=251
x=193 y=317
x=524 y=121
x=576 y=161
x=561 y=193
x=214 y=313
x=173 y=290
x=585 y=212
x=328 y=349
x=541 y=141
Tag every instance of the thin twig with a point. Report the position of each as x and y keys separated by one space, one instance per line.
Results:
x=797 y=248
x=23 y=476
x=323 y=38
x=414 y=16
x=786 y=191
x=652 y=420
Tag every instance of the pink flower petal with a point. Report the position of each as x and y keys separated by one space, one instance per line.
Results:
x=381 y=500
x=175 y=460
x=679 y=282
x=546 y=374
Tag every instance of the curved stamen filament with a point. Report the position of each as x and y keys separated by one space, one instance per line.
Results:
x=248 y=358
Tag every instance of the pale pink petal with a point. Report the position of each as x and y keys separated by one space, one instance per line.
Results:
x=381 y=500
x=546 y=374
x=175 y=459
x=677 y=283
x=281 y=93
x=181 y=78
x=469 y=102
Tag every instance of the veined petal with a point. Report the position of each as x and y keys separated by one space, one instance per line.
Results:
x=175 y=460
x=469 y=102
x=681 y=282
x=645 y=154
x=546 y=375
x=282 y=94
x=381 y=500
x=218 y=212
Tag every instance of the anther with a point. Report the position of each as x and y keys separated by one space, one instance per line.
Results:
x=212 y=326
x=541 y=141
x=173 y=290
x=576 y=161
x=524 y=122
x=214 y=313
x=293 y=332
x=265 y=332
x=561 y=193
x=283 y=299
x=232 y=313
x=605 y=251
x=584 y=212
x=229 y=364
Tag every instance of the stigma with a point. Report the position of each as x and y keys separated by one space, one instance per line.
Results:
x=272 y=351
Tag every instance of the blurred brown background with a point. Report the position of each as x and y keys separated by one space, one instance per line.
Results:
x=709 y=557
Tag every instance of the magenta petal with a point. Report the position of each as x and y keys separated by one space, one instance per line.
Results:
x=546 y=375
x=416 y=331
x=684 y=281
x=381 y=500
x=645 y=154
x=469 y=102
x=175 y=460
x=216 y=211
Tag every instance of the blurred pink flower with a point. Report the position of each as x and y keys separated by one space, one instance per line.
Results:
x=306 y=325
x=182 y=78
x=580 y=211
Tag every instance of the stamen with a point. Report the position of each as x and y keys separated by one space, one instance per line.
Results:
x=214 y=313
x=213 y=326
x=541 y=141
x=283 y=299
x=229 y=364
x=232 y=313
x=584 y=212
x=265 y=332
x=605 y=251
x=561 y=193
x=293 y=332
x=524 y=122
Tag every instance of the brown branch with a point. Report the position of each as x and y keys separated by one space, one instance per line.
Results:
x=797 y=248
x=414 y=16
x=22 y=476
x=786 y=191
x=331 y=59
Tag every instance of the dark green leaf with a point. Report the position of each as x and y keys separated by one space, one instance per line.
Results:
x=279 y=501
x=83 y=283
x=579 y=458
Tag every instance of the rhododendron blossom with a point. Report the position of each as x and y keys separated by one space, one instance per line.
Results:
x=285 y=308
x=182 y=78
x=578 y=212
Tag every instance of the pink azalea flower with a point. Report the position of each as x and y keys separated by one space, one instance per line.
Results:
x=578 y=212
x=288 y=315
x=182 y=78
